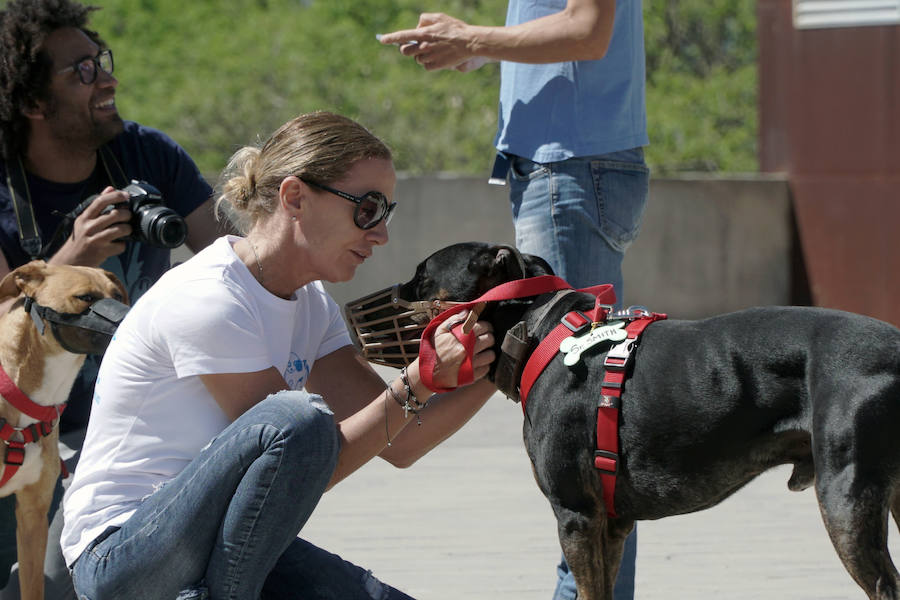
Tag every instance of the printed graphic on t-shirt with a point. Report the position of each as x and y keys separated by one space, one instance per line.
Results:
x=129 y=268
x=296 y=372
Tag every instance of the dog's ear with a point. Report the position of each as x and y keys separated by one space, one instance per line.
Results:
x=496 y=264
x=507 y=263
x=537 y=266
x=493 y=265
x=8 y=287
x=119 y=285
x=23 y=279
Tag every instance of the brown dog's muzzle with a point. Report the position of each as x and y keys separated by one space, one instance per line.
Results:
x=388 y=328
x=88 y=332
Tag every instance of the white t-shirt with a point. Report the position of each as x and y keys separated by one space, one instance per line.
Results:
x=151 y=413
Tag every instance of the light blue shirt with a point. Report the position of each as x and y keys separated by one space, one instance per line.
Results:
x=551 y=112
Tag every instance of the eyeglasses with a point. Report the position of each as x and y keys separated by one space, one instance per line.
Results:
x=87 y=67
x=371 y=207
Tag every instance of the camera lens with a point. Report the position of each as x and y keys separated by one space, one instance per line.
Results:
x=161 y=226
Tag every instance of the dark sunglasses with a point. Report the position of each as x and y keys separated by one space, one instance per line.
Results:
x=371 y=208
x=87 y=67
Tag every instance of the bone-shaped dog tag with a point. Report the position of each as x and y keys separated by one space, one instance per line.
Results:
x=572 y=347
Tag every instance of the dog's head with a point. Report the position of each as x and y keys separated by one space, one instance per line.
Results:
x=82 y=305
x=463 y=272
x=388 y=324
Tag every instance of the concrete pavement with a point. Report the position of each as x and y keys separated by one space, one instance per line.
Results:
x=468 y=521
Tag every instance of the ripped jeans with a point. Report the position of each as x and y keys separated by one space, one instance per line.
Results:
x=226 y=526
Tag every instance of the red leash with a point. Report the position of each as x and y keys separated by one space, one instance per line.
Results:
x=46 y=416
x=520 y=288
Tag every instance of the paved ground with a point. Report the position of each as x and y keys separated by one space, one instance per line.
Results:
x=468 y=521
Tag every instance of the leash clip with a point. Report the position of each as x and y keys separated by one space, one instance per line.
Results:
x=618 y=355
x=635 y=311
x=621 y=350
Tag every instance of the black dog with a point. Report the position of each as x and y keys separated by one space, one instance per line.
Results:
x=707 y=406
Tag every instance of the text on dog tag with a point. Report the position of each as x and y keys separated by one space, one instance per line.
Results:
x=573 y=346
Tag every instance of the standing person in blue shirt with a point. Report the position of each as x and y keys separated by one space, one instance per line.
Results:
x=572 y=126
x=62 y=141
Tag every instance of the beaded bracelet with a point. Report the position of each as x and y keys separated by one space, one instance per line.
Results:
x=410 y=404
x=409 y=393
x=404 y=404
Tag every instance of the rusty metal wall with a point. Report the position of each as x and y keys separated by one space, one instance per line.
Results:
x=830 y=120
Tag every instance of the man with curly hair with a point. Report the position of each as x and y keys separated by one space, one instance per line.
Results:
x=62 y=142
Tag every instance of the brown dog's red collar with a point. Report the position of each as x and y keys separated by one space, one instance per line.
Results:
x=17 y=398
x=14 y=456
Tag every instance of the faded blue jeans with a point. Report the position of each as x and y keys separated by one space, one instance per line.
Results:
x=581 y=215
x=226 y=526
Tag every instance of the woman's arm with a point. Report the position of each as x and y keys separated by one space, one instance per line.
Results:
x=366 y=417
x=369 y=416
x=236 y=393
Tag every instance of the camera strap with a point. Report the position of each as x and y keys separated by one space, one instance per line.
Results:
x=29 y=235
x=113 y=168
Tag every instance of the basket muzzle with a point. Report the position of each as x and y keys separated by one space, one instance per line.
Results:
x=388 y=328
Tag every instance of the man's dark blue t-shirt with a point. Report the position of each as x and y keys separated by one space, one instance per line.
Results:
x=144 y=154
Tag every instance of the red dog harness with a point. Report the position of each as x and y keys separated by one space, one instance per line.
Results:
x=15 y=438
x=606 y=455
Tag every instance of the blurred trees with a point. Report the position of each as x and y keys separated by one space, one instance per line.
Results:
x=216 y=75
x=701 y=84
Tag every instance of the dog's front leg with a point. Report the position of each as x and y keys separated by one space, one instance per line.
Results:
x=32 y=506
x=593 y=547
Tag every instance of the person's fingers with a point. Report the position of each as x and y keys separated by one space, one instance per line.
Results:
x=426 y=19
x=484 y=358
x=482 y=327
x=483 y=342
x=480 y=372
x=452 y=321
x=108 y=197
x=404 y=36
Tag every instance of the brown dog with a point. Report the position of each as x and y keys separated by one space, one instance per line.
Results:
x=51 y=326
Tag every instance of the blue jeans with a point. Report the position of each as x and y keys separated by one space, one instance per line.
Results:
x=581 y=215
x=226 y=526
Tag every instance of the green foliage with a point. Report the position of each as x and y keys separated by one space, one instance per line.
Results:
x=219 y=75
x=701 y=85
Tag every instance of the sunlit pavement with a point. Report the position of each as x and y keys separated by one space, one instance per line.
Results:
x=468 y=521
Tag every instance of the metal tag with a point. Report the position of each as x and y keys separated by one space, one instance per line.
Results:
x=573 y=346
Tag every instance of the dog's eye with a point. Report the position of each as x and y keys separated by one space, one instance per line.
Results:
x=89 y=298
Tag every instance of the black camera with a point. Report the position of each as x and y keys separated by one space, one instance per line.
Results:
x=151 y=221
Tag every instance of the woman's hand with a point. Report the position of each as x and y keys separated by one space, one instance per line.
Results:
x=450 y=353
